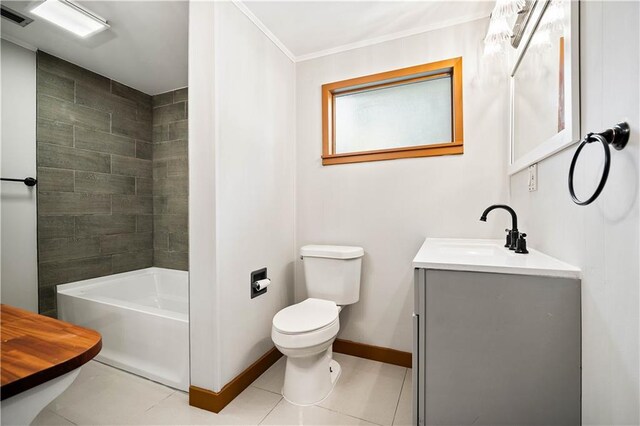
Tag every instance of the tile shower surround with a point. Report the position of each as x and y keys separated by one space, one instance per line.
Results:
x=170 y=180
x=96 y=184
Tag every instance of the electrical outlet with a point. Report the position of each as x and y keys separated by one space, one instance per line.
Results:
x=533 y=177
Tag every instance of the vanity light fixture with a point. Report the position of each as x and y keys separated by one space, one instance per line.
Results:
x=541 y=41
x=553 y=18
x=498 y=35
x=499 y=31
x=507 y=8
x=71 y=17
x=493 y=49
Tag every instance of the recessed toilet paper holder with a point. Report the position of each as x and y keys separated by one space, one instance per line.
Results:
x=257 y=278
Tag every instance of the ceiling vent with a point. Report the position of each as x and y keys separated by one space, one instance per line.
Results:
x=15 y=17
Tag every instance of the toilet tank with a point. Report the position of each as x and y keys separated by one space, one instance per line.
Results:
x=333 y=272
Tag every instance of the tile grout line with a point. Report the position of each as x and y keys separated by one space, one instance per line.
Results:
x=349 y=415
x=161 y=401
x=270 y=411
x=395 y=413
x=359 y=418
x=60 y=415
x=69 y=420
x=266 y=390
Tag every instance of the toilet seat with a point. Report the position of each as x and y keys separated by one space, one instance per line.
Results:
x=307 y=316
x=306 y=325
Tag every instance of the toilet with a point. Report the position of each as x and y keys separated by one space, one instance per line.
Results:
x=305 y=332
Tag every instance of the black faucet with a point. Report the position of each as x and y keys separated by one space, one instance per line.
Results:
x=513 y=233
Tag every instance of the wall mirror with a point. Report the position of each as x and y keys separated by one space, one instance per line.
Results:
x=545 y=112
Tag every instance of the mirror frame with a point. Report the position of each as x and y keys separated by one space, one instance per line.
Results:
x=571 y=133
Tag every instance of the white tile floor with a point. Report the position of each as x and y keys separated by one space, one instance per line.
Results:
x=367 y=393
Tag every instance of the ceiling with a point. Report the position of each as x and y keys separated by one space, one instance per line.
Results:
x=313 y=28
x=146 y=47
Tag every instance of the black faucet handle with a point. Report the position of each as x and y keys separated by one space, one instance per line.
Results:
x=508 y=239
x=513 y=238
x=521 y=244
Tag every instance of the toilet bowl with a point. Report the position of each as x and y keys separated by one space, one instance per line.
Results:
x=305 y=332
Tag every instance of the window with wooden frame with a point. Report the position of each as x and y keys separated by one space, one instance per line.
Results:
x=405 y=113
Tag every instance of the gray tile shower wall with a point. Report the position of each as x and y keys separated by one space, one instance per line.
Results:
x=95 y=177
x=170 y=180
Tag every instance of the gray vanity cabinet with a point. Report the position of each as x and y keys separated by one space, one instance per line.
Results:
x=496 y=349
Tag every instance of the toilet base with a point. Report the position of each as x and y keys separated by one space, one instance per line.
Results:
x=336 y=370
x=309 y=380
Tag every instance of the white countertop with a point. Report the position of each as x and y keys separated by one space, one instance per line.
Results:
x=488 y=256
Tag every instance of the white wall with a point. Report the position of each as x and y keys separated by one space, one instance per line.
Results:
x=255 y=121
x=602 y=238
x=19 y=270
x=203 y=300
x=251 y=175
x=389 y=207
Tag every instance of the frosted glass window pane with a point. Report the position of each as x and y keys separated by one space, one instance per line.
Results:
x=410 y=114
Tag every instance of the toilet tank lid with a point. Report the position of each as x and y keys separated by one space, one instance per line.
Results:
x=332 y=252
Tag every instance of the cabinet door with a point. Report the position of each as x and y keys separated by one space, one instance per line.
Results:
x=500 y=349
x=417 y=370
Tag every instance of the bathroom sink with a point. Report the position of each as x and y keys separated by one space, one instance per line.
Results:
x=485 y=312
x=488 y=256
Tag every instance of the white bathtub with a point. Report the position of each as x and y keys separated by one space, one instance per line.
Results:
x=143 y=318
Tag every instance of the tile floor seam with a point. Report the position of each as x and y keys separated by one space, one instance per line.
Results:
x=351 y=415
x=270 y=411
x=365 y=361
x=70 y=421
x=162 y=400
x=266 y=390
x=395 y=413
x=73 y=423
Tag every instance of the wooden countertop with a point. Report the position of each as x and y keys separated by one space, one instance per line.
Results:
x=36 y=349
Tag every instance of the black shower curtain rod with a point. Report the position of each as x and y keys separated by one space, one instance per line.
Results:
x=27 y=181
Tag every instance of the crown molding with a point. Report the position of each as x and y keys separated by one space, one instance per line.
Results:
x=350 y=46
x=389 y=37
x=258 y=23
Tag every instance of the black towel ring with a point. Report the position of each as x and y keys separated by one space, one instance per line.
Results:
x=618 y=136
